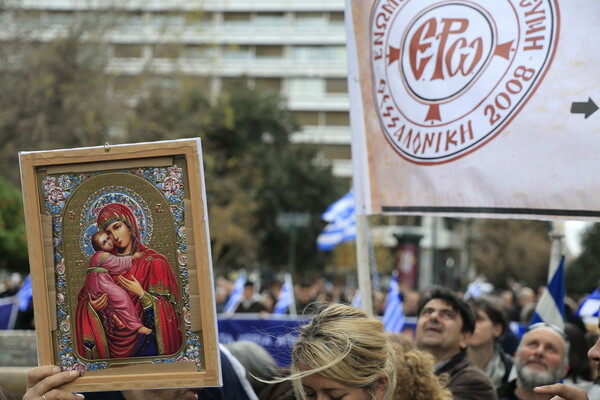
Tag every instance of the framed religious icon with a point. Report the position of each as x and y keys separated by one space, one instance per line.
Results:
x=120 y=265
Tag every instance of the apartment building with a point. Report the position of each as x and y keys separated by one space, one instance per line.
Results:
x=294 y=48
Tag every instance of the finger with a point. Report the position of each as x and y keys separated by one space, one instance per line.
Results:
x=47 y=385
x=103 y=300
x=36 y=374
x=561 y=391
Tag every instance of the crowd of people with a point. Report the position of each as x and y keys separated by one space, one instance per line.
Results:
x=459 y=349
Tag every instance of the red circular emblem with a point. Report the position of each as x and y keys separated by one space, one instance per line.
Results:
x=449 y=76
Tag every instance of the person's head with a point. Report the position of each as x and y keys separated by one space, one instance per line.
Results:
x=343 y=351
x=415 y=372
x=525 y=295
x=102 y=242
x=579 y=365
x=411 y=303
x=260 y=366
x=490 y=322
x=444 y=324
x=542 y=357
x=120 y=223
x=248 y=290
x=305 y=291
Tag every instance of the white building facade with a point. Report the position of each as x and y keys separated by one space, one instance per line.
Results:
x=294 y=48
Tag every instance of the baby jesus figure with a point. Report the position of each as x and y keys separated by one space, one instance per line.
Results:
x=103 y=269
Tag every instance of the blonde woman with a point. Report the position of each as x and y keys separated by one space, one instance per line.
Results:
x=343 y=353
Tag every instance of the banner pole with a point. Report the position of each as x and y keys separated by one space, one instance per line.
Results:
x=557 y=234
x=362 y=264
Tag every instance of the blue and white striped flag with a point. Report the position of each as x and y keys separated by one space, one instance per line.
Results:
x=342 y=223
x=551 y=306
x=477 y=288
x=236 y=294
x=590 y=305
x=286 y=300
x=393 y=316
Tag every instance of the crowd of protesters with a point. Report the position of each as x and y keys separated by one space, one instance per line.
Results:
x=474 y=350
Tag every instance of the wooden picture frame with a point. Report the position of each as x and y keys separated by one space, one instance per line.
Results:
x=149 y=200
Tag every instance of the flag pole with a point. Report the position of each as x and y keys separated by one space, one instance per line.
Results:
x=557 y=235
x=362 y=263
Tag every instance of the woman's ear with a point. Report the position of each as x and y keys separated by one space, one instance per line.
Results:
x=381 y=386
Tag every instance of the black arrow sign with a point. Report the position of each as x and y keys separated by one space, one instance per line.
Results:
x=584 y=108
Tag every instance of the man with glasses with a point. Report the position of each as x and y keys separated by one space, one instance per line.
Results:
x=542 y=358
x=445 y=323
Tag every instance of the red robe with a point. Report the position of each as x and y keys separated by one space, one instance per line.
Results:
x=156 y=277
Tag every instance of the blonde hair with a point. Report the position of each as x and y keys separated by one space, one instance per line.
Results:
x=415 y=377
x=346 y=345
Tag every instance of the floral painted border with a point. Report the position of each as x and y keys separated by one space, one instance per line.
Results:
x=57 y=189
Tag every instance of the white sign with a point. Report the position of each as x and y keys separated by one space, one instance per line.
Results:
x=475 y=107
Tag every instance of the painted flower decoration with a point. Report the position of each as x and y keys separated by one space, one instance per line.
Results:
x=56 y=196
x=171 y=185
x=48 y=183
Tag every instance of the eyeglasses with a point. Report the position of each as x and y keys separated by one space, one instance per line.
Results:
x=548 y=325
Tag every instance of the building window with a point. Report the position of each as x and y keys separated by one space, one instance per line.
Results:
x=235 y=52
x=337 y=118
x=236 y=20
x=199 y=52
x=269 y=52
x=307 y=53
x=337 y=152
x=127 y=51
x=199 y=19
x=167 y=50
x=305 y=87
x=310 y=20
x=168 y=20
x=129 y=20
x=307 y=118
x=59 y=18
x=335 y=53
x=232 y=84
x=268 y=84
x=199 y=83
x=30 y=18
x=336 y=19
x=164 y=82
x=269 y=20
x=336 y=86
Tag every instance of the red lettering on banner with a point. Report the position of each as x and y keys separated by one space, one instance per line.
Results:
x=454 y=53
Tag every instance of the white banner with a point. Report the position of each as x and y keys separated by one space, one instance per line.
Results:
x=475 y=107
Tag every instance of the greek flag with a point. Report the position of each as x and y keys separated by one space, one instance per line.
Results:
x=551 y=306
x=236 y=294
x=341 y=225
x=588 y=310
x=285 y=301
x=393 y=316
x=477 y=288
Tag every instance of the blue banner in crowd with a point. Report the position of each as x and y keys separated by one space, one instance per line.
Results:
x=8 y=312
x=276 y=335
